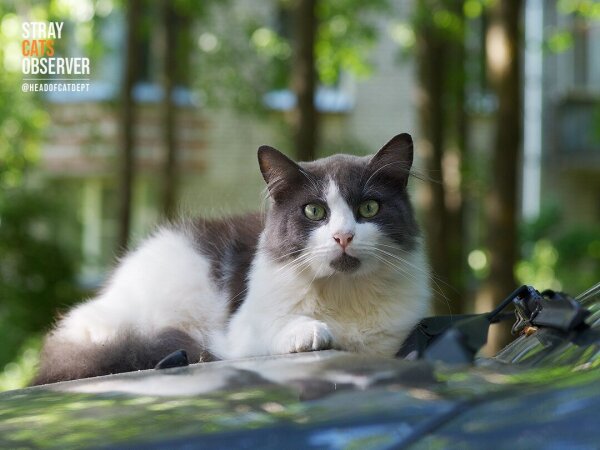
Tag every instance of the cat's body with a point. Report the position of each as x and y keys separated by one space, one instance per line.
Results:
x=317 y=271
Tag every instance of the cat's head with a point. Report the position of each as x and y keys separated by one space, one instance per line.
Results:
x=342 y=214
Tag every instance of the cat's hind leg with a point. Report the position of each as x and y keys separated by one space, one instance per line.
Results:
x=127 y=351
x=165 y=284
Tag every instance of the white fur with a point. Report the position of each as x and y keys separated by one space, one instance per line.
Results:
x=164 y=283
x=368 y=314
x=290 y=307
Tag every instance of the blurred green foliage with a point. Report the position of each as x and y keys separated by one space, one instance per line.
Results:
x=346 y=35
x=21 y=370
x=262 y=49
x=559 y=256
x=36 y=273
x=21 y=121
x=585 y=8
x=561 y=38
x=554 y=254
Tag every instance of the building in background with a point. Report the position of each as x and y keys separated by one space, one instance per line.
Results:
x=570 y=119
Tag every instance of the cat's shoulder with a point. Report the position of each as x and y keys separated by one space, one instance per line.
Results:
x=242 y=227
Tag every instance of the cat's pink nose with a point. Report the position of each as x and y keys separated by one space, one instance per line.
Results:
x=343 y=239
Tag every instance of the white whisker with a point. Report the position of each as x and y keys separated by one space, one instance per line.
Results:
x=434 y=279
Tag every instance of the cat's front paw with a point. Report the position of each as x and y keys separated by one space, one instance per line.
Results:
x=306 y=336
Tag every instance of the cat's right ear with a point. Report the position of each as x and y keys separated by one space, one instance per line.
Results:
x=280 y=173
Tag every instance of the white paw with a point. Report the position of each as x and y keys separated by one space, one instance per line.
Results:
x=305 y=335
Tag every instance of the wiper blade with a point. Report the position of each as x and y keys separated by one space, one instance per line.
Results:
x=594 y=290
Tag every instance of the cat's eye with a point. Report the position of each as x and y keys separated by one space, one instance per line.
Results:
x=314 y=211
x=368 y=208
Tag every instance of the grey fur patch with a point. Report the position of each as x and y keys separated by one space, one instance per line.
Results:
x=345 y=263
x=63 y=360
x=230 y=245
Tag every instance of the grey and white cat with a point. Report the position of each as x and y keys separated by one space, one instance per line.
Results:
x=336 y=262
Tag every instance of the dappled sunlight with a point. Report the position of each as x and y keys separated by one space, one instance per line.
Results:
x=497 y=50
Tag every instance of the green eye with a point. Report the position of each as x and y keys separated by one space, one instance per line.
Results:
x=314 y=211
x=368 y=208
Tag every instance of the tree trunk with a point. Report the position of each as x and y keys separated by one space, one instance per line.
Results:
x=304 y=80
x=431 y=53
x=169 y=181
x=503 y=60
x=442 y=118
x=127 y=119
x=454 y=161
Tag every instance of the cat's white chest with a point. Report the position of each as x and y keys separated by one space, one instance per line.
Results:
x=371 y=316
x=283 y=314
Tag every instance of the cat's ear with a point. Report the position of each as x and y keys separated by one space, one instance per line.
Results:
x=280 y=173
x=394 y=160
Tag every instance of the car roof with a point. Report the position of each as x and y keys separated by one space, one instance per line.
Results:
x=541 y=388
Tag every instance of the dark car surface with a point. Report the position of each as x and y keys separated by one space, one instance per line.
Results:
x=542 y=391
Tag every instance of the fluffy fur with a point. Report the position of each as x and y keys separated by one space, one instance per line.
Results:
x=257 y=285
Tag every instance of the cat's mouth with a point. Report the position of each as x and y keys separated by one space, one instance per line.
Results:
x=345 y=263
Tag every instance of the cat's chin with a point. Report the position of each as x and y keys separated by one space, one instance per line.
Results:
x=345 y=264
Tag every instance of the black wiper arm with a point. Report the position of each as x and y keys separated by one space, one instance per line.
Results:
x=457 y=339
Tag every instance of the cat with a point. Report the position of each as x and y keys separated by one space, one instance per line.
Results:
x=337 y=261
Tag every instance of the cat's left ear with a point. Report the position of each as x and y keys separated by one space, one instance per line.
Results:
x=394 y=160
x=281 y=174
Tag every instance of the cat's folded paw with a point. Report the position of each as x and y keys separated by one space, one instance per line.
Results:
x=85 y=324
x=306 y=336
